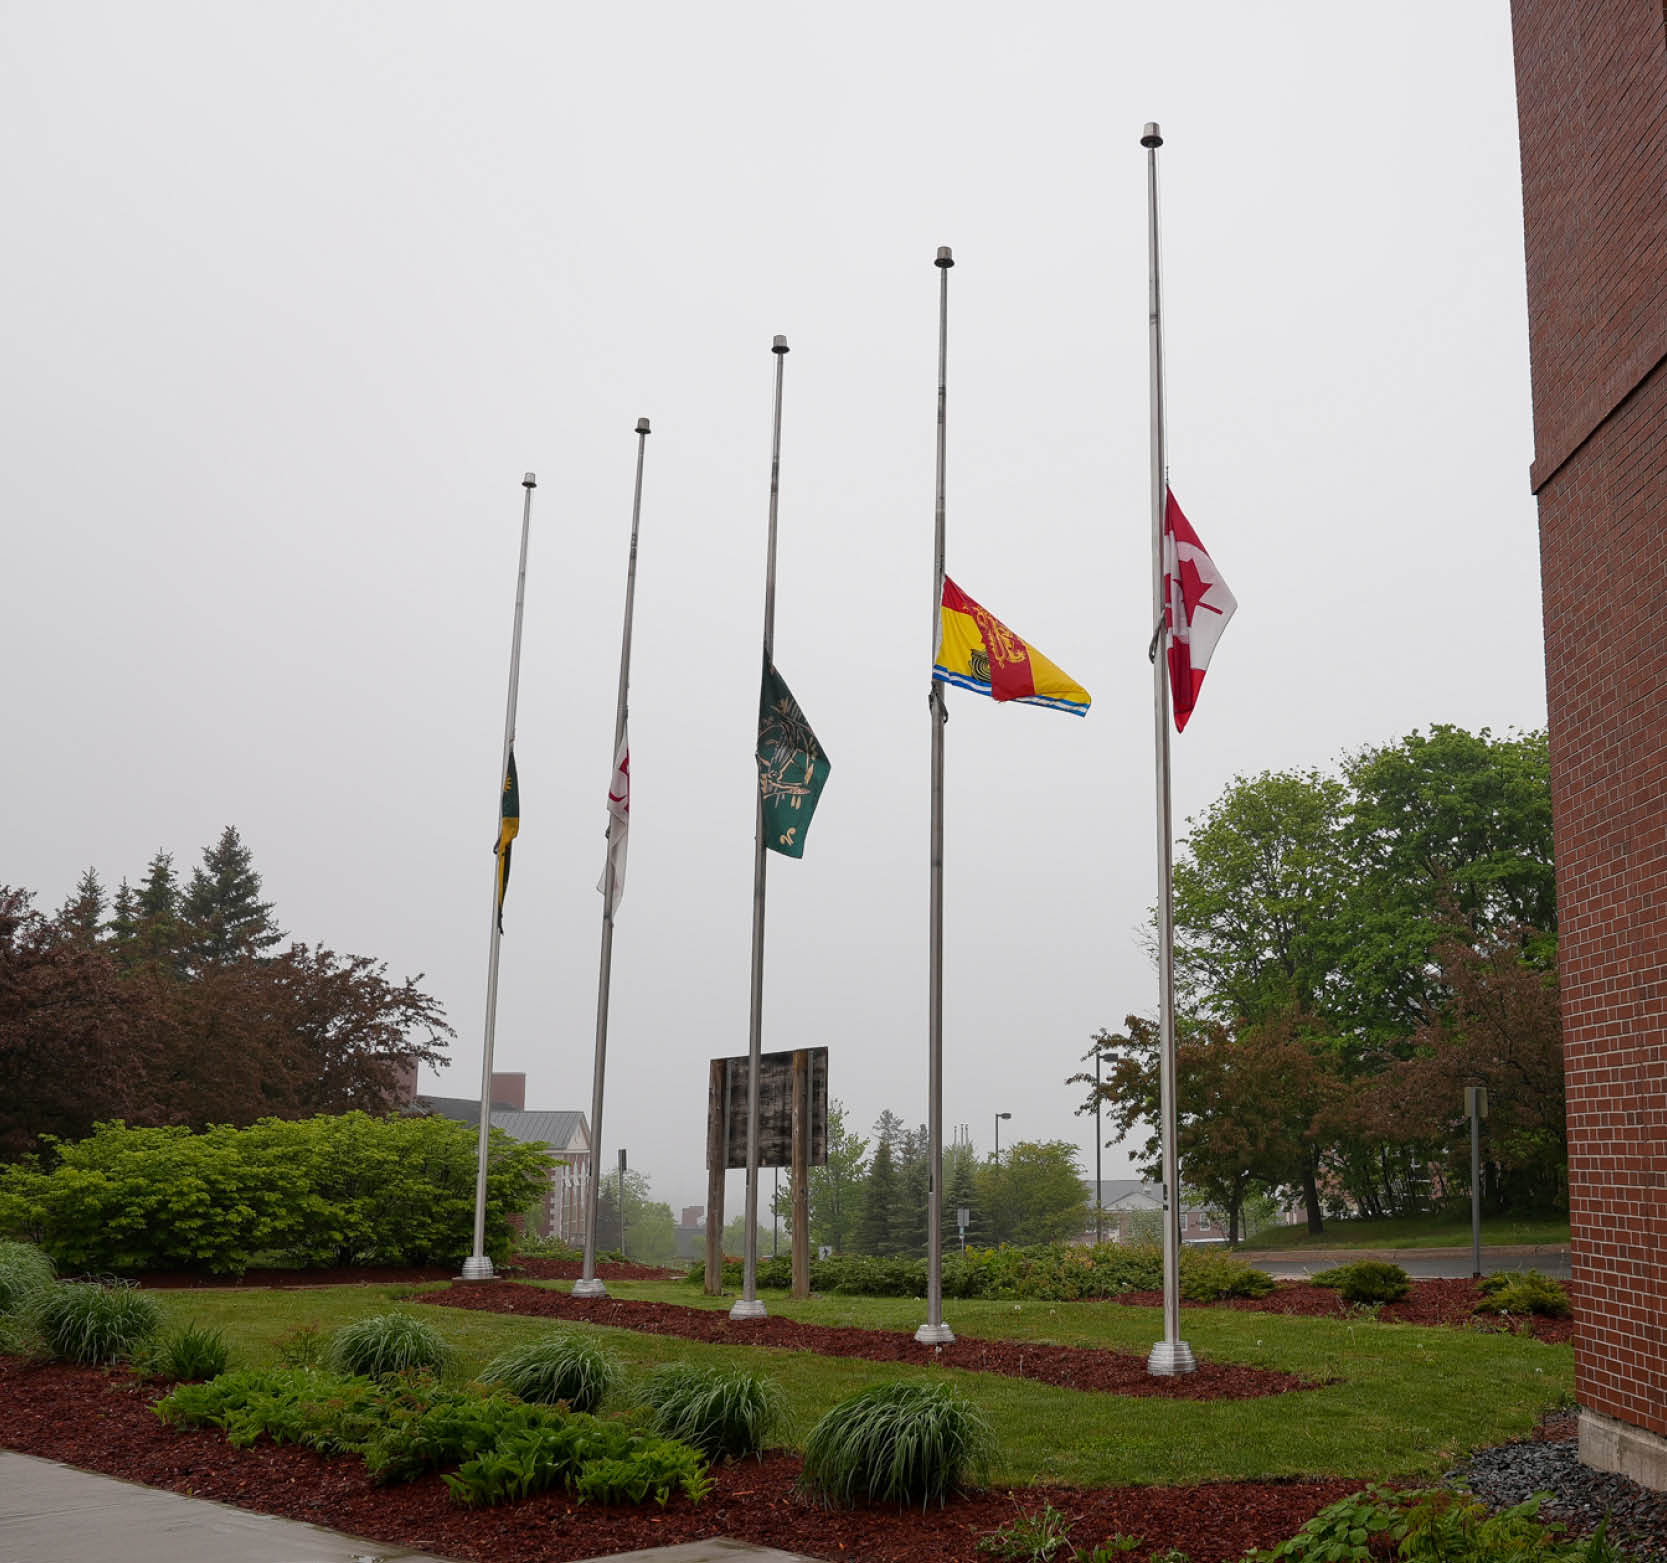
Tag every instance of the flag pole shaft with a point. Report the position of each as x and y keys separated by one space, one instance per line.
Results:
x=934 y=1331
x=587 y=1285
x=748 y=1305
x=1171 y=1355
x=477 y=1267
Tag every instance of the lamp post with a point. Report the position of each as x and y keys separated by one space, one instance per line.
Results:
x=999 y=1117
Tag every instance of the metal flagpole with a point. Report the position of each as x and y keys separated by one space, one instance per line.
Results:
x=934 y=1332
x=478 y=1267
x=1171 y=1355
x=587 y=1285
x=748 y=1304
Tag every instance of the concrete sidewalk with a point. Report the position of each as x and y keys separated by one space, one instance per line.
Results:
x=53 y=1513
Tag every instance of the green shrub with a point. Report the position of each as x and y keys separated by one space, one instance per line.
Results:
x=1366 y=1281
x=1523 y=1292
x=902 y=1443
x=19 y=1338
x=321 y=1411
x=85 y=1322
x=532 y=1246
x=192 y=1354
x=1031 y=1536
x=384 y=1343
x=306 y=1346
x=24 y=1270
x=561 y=1366
x=724 y=1413
x=1208 y=1275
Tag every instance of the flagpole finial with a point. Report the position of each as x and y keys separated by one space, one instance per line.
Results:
x=945 y=258
x=779 y=345
x=1151 y=136
x=642 y=426
x=529 y=480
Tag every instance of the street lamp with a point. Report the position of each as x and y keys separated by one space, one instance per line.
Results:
x=999 y=1117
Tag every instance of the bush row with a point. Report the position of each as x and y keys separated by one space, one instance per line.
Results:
x=1057 y=1272
x=319 y=1192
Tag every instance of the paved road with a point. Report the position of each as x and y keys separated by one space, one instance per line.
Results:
x=1421 y=1263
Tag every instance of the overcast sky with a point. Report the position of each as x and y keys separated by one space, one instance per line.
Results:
x=295 y=294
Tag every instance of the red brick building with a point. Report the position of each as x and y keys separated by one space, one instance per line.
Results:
x=1592 y=108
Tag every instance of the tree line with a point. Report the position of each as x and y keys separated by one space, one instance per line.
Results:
x=1351 y=950
x=177 y=1002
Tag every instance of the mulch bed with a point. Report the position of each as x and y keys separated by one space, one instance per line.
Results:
x=1451 y=1303
x=1071 y=1367
x=102 y=1422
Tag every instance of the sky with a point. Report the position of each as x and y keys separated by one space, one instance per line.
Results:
x=297 y=293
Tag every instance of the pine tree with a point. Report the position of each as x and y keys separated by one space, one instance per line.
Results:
x=222 y=909
x=82 y=915
x=157 y=933
x=960 y=1194
x=878 y=1195
x=911 y=1193
x=120 y=931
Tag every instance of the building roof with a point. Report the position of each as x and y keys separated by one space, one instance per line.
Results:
x=1137 y=1194
x=562 y=1131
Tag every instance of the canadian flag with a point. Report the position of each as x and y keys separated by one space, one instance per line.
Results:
x=619 y=823
x=1196 y=608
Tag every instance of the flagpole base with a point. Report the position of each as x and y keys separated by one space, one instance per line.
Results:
x=1170 y=1357
x=477 y=1267
x=591 y=1288
x=938 y=1334
x=749 y=1308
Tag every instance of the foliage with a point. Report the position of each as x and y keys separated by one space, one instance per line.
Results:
x=1208 y=1275
x=386 y=1343
x=874 y=1233
x=325 y=1191
x=1523 y=1292
x=834 y=1189
x=221 y=906
x=560 y=1366
x=88 y=1323
x=191 y=1353
x=1033 y=1195
x=529 y=1246
x=503 y=1448
x=1031 y=1536
x=723 y=1412
x=1366 y=1281
x=904 y=1442
x=650 y=1230
x=1434 y=1526
x=24 y=1270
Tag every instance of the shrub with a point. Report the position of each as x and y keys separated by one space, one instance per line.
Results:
x=85 y=1322
x=384 y=1343
x=1523 y=1292
x=1366 y=1281
x=897 y=1443
x=192 y=1354
x=1208 y=1276
x=557 y=1367
x=724 y=1413
x=24 y=1270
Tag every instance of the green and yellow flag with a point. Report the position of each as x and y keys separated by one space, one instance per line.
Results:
x=509 y=827
x=791 y=766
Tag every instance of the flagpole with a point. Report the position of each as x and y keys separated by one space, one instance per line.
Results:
x=1171 y=1355
x=934 y=1332
x=478 y=1267
x=748 y=1305
x=587 y=1285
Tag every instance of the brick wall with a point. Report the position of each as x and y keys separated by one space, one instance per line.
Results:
x=1592 y=110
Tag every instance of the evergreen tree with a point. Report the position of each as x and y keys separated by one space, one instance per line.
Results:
x=878 y=1197
x=960 y=1193
x=911 y=1193
x=157 y=933
x=222 y=909
x=82 y=915
x=119 y=932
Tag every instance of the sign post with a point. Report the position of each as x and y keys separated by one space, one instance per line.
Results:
x=1476 y=1109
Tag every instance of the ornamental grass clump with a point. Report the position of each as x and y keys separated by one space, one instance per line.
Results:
x=88 y=1323
x=724 y=1413
x=902 y=1443
x=192 y=1354
x=560 y=1366
x=385 y=1343
x=24 y=1270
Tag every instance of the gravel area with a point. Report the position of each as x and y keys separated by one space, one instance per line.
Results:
x=1580 y=1496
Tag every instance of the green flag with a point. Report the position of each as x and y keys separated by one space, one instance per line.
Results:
x=791 y=766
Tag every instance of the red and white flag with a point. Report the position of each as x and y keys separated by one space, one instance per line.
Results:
x=1196 y=608
x=619 y=821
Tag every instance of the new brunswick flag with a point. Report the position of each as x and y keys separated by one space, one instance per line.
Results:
x=509 y=827
x=792 y=767
x=977 y=651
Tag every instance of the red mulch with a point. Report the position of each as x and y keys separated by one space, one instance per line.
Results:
x=1072 y=1367
x=101 y=1422
x=381 y=1275
x=1444 y=1302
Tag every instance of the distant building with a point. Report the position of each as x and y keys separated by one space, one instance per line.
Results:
x=566 y=1135
x=1132 y=1211
x=1591 y=84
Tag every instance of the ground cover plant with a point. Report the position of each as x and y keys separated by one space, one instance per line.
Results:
x=563 y=1365
x=190 y=1352
x=1523 y=1292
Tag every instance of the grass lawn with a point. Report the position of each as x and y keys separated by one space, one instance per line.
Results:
x=1448 y=1230
x=1408 y=1400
